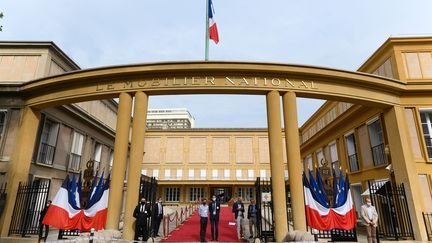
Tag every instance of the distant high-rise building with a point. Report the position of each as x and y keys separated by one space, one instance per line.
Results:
x=173 y=118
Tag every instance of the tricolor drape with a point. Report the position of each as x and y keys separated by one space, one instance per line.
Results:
x=65 y=212
x=319 y=214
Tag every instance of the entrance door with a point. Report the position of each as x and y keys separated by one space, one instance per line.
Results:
x=223 y=194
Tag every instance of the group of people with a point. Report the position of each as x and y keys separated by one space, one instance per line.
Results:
x=212 y=210
x=142 y=213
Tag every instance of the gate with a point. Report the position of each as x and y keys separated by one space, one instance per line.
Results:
x=148 y=190
x=391 y=204
x=265 y=220
x=30 y=201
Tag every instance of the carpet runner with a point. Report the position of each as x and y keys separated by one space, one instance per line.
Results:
x=189 y=231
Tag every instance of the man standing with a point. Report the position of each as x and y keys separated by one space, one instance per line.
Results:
x=214 y=209
x=157 y=217
x=141 y=213
x=370 y=219
x=203 y=213
x=238 y=210
x=41 y=226
x=252 y=216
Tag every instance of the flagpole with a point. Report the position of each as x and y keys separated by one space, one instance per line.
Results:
x=207 y=32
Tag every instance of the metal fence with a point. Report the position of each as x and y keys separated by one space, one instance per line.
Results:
x=2 y=197
x=427 y=217
x=391 y=204
x=30 y=201
x=265 y=220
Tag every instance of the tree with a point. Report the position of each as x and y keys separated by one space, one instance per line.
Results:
x=1 y=16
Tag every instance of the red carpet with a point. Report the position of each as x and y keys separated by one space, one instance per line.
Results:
x=189 y=231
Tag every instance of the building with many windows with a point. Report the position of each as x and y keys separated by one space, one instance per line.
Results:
x=195 y=163
x=68 y=136
x=172 y=118
x=357 y=138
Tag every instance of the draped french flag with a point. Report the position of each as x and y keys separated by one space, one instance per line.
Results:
x=213 y=31
x=322 y=217
x=65 y=211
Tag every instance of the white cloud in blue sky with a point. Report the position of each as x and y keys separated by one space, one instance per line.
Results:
x=335 y=33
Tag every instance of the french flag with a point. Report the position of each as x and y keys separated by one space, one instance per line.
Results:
x=97 y=208
x=213 y=31
x=65 y=212
x=322 y=217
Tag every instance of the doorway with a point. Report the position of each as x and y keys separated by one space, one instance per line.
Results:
x=223 y=194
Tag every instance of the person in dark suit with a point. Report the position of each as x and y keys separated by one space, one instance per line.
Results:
x=238 y=210
x=157 y=216
x=214 y=209
x=41 y=226
x=142 y=212
x=252 y=216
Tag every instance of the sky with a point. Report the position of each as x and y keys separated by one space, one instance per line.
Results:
x=335 y=33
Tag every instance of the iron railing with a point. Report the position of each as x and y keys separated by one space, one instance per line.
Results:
x=148 y=190
x=391 y=204
x=378 y=154
x=30 y=201
x=2 y=197
x=427 y=217
x=46 y=154
x=353 y=162
x=265 y=220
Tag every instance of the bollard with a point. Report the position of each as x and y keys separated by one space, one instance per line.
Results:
x=91 y=235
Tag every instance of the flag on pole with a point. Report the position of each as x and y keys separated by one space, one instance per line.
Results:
x=213 y=31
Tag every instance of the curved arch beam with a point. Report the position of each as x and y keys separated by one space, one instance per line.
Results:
x=213 y=78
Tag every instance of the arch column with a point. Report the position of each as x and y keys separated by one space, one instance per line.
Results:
x=294 y=160
x=277 y=165
x=20 y=163
x=135 y=162
x=121 y=145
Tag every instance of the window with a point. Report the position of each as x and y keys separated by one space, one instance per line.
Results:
x=320 y=158
x=246 y=193
x=191 y=173
x=48 y=142
x=238 y=174
x=227 y=174
x=111 y=159
x=214 y=174
x=97 y=155
x=172 y=194
x=179 y=173
x=308 y=162
x=251 y=174
x=155 y=173
x=377 y=142
x=426 y=122
x=203 y=173
x=196 y=194
x=76 y=151
x=334 y=158
x=352 y=152
x=286 y=174
x=263 y=174
x=144 y=172
x=167 y=173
